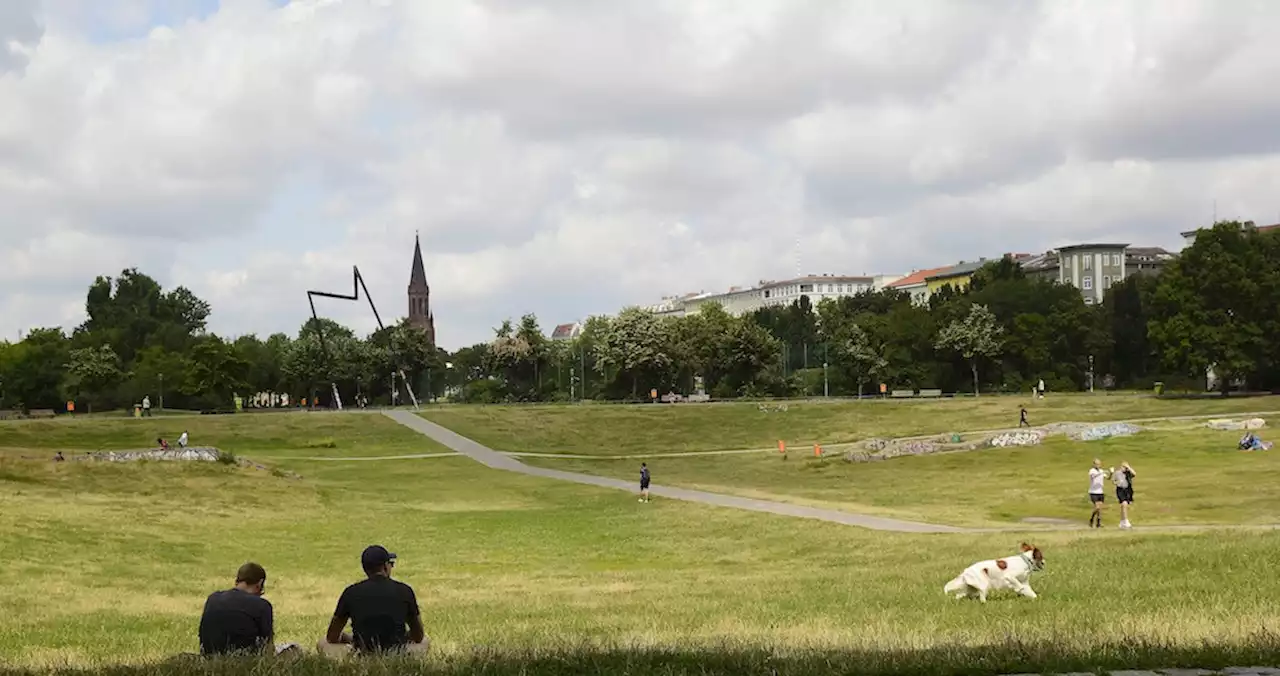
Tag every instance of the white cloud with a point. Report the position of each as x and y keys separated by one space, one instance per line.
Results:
x=571 y=157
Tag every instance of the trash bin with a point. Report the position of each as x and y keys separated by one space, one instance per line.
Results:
x=1159 y=388
x=137 y=410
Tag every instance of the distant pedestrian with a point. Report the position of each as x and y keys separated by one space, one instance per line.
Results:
x=164 y=445
x=1022 y=417
x=182 y=440
x=57 y=457
x=1123 y=479
x=1096 y=477
x=146 y=405
x=644 y=482
x=1040 y=388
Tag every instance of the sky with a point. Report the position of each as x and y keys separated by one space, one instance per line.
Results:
x=568 y=158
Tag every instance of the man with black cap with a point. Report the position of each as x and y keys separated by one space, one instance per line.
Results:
x=380 y=609
x=238 y=620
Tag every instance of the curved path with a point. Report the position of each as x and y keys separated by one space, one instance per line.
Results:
x=495 y=460
x=503 y=461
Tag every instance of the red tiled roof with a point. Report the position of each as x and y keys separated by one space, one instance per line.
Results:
x=918 y=277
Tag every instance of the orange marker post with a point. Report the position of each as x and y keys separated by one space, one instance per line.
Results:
x=782 y=446
x=817 y=451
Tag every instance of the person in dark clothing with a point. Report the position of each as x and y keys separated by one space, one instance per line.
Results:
x=1022 y=417
x=380 y=609
x=238 y=620
x=644 y=482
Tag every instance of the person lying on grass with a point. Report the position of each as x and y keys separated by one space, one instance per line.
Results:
x=379 y=609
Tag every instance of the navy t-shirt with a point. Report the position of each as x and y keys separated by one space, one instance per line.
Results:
x=380 y=609
x=235 y=620
x=644 y=475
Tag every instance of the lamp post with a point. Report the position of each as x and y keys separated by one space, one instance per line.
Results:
x=826 y=391
x=1090 y=374
x=161 y=391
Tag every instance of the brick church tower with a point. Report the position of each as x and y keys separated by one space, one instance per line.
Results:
x=420 y=315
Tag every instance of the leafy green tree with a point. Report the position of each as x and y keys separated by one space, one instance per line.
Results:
x=636 y=346
x=1209 y=307
x=36 y=367
x=975 y=337
x=216 y=373
x=858 y=354
x=92 y=375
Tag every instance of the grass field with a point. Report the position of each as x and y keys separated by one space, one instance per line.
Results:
x=619 y=430
x=107 y=565
x=1184 y=477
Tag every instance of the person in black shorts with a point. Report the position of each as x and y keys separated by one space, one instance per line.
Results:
x=380 y=609
x=239 y=620
x=1123 y=479
x=1022 y=417
x=1097 y=476
x=644 y=482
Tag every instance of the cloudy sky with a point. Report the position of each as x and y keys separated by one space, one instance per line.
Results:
x=568 y=158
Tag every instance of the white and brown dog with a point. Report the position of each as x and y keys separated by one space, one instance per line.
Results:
x=1011 y=572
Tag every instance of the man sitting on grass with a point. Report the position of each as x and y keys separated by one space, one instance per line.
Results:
x=238 y=620
x=380 y=609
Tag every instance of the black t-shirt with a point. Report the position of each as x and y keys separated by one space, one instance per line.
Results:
x=379 y=608
x=235 y=620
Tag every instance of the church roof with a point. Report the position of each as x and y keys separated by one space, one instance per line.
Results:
x=417 y=274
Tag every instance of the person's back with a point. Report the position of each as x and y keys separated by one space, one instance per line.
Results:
x=238 y=619
x=379 y=608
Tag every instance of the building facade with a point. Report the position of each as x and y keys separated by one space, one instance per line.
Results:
x=420 y=315
x=1189 y=237
x=744 y=300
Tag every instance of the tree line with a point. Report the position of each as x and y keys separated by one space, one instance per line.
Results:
x=1217 y=306
x=141 y=341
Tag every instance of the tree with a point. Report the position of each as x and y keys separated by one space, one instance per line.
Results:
x=1209 y=307
x=36 y=366
x=974 y=337
x=216 y=372
x=91 y=373
x=636 y=345
x=856 y=352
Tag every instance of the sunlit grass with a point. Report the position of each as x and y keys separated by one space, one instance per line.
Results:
x=106 y=564
x=651 y=428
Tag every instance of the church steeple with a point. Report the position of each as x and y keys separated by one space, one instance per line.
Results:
x=420 y=314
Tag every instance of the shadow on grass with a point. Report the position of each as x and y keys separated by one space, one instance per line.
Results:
x=1003 y=658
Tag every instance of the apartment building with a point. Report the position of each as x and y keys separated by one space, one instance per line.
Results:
x=1094 y=268
x=767 y=293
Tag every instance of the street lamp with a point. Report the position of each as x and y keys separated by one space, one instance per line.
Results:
x=161 y=391
x=826 y=391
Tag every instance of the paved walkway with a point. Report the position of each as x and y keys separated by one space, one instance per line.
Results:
x=495 y=460
x=505 y=461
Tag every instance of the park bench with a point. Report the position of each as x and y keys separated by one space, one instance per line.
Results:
x=902 y=394
x=931 y=393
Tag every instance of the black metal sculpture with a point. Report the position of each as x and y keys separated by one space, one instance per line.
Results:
x=357 y=283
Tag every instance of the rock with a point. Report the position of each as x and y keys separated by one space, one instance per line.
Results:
x=1027 y=438
x=1097 y=432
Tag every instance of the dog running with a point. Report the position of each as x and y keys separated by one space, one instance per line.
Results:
x=1011 y=572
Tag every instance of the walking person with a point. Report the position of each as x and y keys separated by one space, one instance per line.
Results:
x=1097 y=476
x=1123 y=479
x=146 y=406
x=1040 y=388
x=1022 y=417
x=644 y=482
x=182 y=440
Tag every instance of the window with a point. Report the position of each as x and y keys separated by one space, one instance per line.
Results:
x=806 y=288
x=1116 y=259
x=1088 y=300
x=1086 y=283
x=1088 y=262
x=766 y=293
x=1106 y=283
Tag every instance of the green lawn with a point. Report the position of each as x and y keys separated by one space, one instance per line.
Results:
x=619 y=429
x=260 y=435
x=109 y=564
x=1184 y=477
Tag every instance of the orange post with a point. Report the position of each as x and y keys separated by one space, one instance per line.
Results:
x=782 y=446
x=817 y=451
